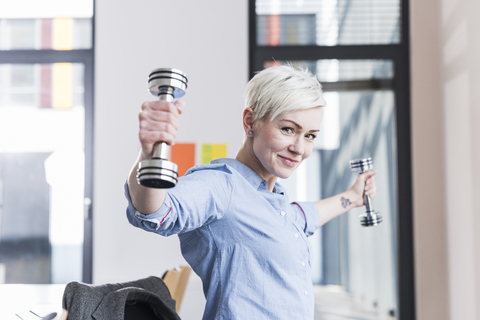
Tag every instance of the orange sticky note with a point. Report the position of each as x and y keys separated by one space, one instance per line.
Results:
x=183 y=154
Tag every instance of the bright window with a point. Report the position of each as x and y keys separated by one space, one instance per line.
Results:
x=46 y=110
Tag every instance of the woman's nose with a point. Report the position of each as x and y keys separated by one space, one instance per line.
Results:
x=297 y=146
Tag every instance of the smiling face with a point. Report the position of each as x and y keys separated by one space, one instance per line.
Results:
x=282 y=144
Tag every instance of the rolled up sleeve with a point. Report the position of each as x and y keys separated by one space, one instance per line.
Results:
x=200 y=197
x=151 y=222
x=309 y=212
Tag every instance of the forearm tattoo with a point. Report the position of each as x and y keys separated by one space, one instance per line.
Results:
x=345 y=202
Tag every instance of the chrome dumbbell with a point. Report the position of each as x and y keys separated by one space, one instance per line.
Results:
x=370 y=218
x=166 y=84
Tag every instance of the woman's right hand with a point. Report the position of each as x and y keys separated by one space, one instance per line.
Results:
x=158 y=121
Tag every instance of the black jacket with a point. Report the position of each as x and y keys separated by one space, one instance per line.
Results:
x=144 y=299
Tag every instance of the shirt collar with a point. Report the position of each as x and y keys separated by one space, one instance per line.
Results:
x=251 y=176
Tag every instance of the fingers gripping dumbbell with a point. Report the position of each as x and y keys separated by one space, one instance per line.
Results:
x=370 y=218
x=167 y=84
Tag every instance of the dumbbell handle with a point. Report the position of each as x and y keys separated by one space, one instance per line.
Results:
x=368 y=202
x=161 y=150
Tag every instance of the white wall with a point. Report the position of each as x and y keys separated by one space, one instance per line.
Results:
x=208 y=41
x=446 y=149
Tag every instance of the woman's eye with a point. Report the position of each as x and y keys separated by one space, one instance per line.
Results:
x=310 y=136
x=287 y=130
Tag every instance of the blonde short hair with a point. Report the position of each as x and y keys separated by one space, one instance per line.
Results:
x=277 y=90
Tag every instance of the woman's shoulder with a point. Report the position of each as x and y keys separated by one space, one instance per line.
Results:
x=224 y=170
x=225 y=165
x=212 y=173
x=210 y=168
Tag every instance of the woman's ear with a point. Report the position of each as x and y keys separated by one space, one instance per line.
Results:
x=248 y=116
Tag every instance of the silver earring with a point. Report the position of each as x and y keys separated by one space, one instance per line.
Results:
x=250 y=132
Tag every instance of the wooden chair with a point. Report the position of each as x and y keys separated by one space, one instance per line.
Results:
x=176 y=281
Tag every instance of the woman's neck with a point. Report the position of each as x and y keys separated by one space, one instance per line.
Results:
x=247 y=156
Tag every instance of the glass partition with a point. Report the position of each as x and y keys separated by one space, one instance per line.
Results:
x=327 y=22
x=358 y=261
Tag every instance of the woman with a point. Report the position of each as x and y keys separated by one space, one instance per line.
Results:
x=237 y=228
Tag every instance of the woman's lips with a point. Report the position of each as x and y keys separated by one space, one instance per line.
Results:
x=289 y=162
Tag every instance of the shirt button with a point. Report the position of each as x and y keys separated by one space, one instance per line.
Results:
x=282 y=213
x=306 y=292
x=296 y=235
x=303 y=264
x=153 y=225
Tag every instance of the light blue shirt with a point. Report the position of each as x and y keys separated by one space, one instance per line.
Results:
x=248 y=245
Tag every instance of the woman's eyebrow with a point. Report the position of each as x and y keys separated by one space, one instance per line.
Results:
x=299 y=126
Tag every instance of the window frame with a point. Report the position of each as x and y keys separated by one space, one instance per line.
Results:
x=400 y=55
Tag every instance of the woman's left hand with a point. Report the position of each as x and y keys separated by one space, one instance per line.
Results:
x=334 y=206
x=364 y=182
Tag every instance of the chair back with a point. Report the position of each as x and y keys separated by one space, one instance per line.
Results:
x=176 y=281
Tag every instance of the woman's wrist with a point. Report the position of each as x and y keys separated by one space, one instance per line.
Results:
x=350 y=199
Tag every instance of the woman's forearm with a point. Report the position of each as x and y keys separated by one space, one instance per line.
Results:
x=158 y=121
x=335 y=206
x=145 y=200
